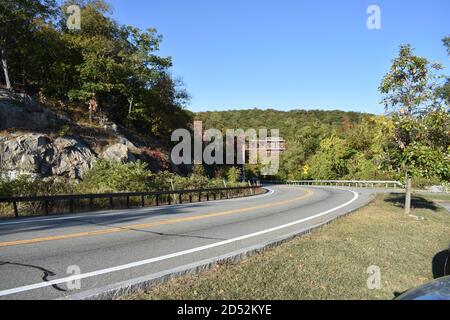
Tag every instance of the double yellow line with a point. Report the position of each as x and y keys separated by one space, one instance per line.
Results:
x=309 y=193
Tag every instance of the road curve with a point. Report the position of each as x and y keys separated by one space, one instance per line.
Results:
x=38 y=256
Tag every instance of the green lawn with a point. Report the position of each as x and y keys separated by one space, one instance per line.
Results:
x=331 y=263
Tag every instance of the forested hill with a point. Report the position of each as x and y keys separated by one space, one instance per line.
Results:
x=289 y=122
x=330 y=144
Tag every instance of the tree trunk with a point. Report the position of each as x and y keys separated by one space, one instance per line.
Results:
x=5 y=69
x=408 y=194
x=130 y=106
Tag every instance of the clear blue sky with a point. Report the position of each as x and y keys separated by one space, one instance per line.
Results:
x=287 y=54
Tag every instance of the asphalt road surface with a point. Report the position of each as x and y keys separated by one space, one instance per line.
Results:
x=40 y=256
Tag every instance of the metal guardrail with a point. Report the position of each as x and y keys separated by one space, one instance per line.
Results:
x=214 y=193
x=341 y=183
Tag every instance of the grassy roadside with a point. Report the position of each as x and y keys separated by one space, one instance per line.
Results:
x=331 y=263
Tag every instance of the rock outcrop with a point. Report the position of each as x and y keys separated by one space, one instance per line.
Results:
x=69 y=157
x=33 y=143
x=21 y=112
x=38 y=155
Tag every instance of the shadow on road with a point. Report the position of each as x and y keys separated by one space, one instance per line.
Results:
x=46 y=273
x=97 y=218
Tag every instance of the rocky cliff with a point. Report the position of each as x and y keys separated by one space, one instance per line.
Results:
x=31 y=142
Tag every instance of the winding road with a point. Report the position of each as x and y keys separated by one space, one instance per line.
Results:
x=48 y=257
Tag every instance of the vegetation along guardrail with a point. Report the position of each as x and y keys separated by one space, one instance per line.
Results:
x=342 y=183
x=156 y=198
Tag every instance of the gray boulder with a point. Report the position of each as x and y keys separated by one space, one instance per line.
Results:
x=118 y=152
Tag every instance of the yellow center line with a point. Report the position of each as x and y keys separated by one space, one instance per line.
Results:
x=152 y=224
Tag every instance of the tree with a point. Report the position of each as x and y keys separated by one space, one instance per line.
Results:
x=19 y=21
x=444 y=91
x=119 y=69
x=409 y=96
x=331 y=161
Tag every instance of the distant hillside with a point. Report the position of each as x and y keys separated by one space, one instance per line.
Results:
x=289 y=122
x=332 y=144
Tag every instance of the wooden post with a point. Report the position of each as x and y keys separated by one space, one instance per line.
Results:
x=16 y=211
x=408 y=195
x=173 y=189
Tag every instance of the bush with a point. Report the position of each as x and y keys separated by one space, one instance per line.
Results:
x=106 y=177
x=112 y=177
x=422 y=183
x=232 y=175
x=26 y=185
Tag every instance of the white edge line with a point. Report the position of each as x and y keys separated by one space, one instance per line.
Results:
x=137 y=210
x=169 y=256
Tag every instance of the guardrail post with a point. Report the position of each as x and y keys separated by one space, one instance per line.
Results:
x=71 y=205
x=157 y=200
x=170 y=199
x=16 y=211
x=91 y=204
x=111 y=204
x=142 y=201
x=46 y=207
x=181 y=198
x=190 y=197
x=128 y=202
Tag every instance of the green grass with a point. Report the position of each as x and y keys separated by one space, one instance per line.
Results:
x=331 y=263
x=443 y=197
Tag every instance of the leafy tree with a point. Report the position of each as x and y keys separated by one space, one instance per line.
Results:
x=332 y=159
x=444 y=91
x=98 y=43
x=419 y=121
x=20 y=22
x=446 y=42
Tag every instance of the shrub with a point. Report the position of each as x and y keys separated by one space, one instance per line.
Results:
x=107 y=177
x=232 y=175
